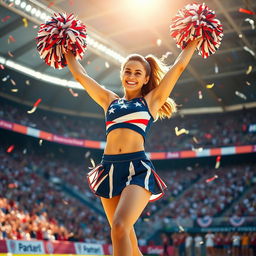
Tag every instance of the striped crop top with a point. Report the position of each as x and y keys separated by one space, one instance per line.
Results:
x=132 y=114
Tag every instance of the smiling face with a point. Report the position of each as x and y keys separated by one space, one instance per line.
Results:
x=133 y=76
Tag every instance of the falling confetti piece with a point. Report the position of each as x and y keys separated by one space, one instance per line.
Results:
x=216 y=69
x=248 y=83
x=241 y=95
x=40 y=142
x=240 y=36
x=92 y=162
x=1 y=66
x=251 y=22
x=25 y=22
x=209 y=86
x=10 y=149
x=34 y=107
x=107 y=64
x=181 y=229
x=65 y=202
x=217 y=164
x=181 y=131
x=212 y=179
x=35 y=26
x=24 y=151
x=249 y=70
x=11 y=39
x=195 y=140
x=4 y=79
x=158 y=42
x=72 y=92
x=87 y=154
x=12 y=185
x=10 y=54
x=249 y=50
x=165 y=56
x=219 y=99
x=6 y=18
x=200 y=95
x=13 y=82
x=246 y=11
x=11 y=4
x=14 y=90
x=201 y=242
x=27 y=82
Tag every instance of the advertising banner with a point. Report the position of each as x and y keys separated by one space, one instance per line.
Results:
x=25 y=247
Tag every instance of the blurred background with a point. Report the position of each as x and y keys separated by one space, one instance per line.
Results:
x=51 y=132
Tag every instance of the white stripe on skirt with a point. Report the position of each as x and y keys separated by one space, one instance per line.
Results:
x=146 y=181
x=111 y=180
x=131 y=173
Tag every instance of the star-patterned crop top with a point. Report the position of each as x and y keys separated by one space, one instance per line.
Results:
x=132 y=114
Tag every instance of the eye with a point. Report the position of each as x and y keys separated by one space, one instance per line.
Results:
x=127 y=72
x=137 y=73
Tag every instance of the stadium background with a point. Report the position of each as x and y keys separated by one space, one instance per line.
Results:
x=46 y=154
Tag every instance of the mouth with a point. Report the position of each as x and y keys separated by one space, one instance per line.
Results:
x=131 y=84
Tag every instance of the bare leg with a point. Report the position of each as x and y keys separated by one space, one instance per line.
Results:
x=109 y=206
x=130 y=206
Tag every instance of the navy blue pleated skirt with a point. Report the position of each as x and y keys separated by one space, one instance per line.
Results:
x=115 y=172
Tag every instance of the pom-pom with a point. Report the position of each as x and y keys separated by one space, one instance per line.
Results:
x=59 y=34
x=195 y=21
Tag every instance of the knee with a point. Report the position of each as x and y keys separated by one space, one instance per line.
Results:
x=119 y=228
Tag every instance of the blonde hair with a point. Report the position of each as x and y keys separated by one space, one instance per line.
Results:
x=155 y=70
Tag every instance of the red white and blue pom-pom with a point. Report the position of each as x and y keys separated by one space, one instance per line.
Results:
x=195 y=21
x=61 y=33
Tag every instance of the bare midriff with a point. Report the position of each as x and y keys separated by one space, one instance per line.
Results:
x=122 y=141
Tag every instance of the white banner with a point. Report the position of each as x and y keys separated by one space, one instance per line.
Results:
x=25 y=247
x=92 y=249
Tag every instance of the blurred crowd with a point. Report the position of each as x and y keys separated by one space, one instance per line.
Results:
x=210 y=244
x=205 y=131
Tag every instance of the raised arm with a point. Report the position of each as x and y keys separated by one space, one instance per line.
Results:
x=157 y=97
x=99 y=94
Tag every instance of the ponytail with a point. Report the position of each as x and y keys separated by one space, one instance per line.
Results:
x=155 y=71
x=156 y=75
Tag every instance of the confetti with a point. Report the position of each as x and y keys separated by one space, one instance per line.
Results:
x=13 y=82
x=249 y=70
x=87 y=154
x=6 y=18
x=251 y=22
x=35 y=26
x=11 y=39
x=4 y=79
x=158 y=42
x=11 y=4
x=10 y=54
x=219 y=99
x=189 y=168
x=27 y=82
x=216 y=69
x=65 y=202
x=246 y=11
x=25 y=22
x=249 y=50
x=195 y=140
x=14 y=90
x=24 y=151
x=209 y=86
x=181 y=131
x=240 y=36
x=92 y=162
x=165 y=56
x=181 y=229
x=248 y=83
x=217 y=164
x=34 y=107
x=12 y=185
x=73 y=93
x=1 y=66
x=241 y=95
x=10 y=149
x=212 y=179
x=200 y=95
x=40 y=142
x=107 y=64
